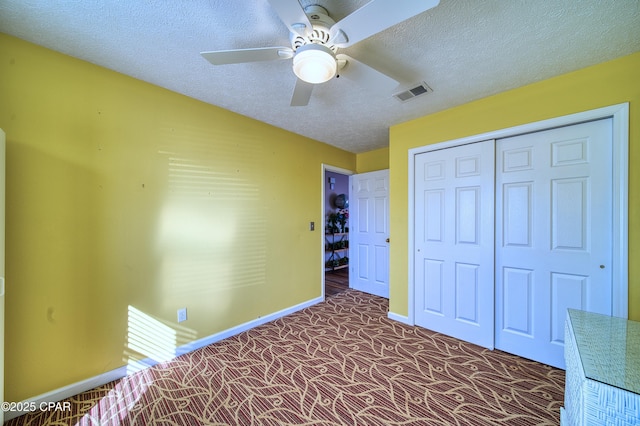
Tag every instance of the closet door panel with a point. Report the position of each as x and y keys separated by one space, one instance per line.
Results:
x=454 y=235
x=554 y=219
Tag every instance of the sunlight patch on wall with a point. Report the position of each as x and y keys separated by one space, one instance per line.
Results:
x=212 y=228
x=150 y=340
x=189 y=224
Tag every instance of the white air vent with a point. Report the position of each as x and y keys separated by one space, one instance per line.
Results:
x=418 y=90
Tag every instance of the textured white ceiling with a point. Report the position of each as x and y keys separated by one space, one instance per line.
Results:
x=464 y=50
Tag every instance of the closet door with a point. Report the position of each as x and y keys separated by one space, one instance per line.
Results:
x=553 y=235
x=454 y=242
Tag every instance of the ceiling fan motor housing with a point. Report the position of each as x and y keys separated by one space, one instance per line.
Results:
x=322 y=23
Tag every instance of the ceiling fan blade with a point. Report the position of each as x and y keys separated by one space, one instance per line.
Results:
x=293 y=16
x=376 y=16
x=364 y=75
x=237 y=56
x=301 y=93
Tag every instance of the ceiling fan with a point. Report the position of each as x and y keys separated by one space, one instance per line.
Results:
x=316 y=38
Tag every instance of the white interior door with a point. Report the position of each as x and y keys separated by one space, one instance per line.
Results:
x=454 y=242
x=2 y=207
x=554 y=241
x=369 y=233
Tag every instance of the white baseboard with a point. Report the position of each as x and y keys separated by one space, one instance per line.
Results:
x=400 y=318
x=68 y=391
x=197 y=344
x=104 y=378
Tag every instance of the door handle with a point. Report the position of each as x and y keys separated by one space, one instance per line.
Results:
x=387 y=240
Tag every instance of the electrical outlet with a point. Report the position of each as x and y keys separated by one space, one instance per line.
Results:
x=182 y=314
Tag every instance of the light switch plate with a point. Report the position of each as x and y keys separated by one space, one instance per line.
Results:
x=182 y=314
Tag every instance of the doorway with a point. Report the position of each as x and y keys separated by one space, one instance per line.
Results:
x=335 y=259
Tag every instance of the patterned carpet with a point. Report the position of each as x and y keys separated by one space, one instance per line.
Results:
x=341 y=362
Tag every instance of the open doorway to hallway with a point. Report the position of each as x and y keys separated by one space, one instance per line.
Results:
x=335 y=282
x=336 y=237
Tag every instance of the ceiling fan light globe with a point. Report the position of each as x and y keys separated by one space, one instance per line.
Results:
x=314 y=63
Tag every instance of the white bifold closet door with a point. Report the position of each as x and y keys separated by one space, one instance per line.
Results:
x=454 y=239
x=549 y=195
x=554 y=241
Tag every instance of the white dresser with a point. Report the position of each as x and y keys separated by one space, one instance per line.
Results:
x=602 y=386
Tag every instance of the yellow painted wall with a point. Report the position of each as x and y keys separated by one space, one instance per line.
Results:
x=122 y=194
x=372 y=161
x=598 y=86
